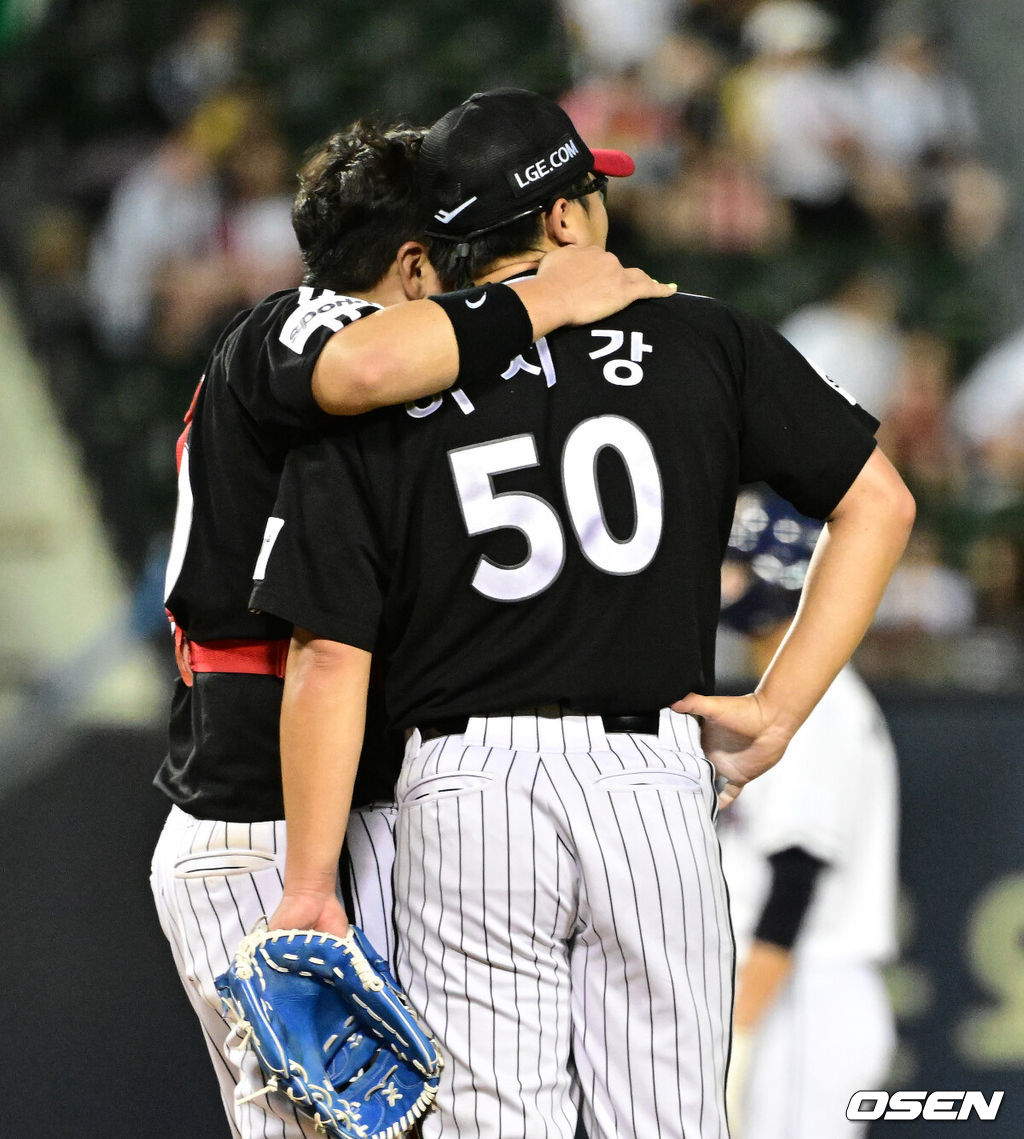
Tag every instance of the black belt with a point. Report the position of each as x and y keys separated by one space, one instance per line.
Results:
x=646 y=723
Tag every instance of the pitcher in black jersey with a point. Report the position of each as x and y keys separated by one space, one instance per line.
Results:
x=274 y=376
x=537 y=562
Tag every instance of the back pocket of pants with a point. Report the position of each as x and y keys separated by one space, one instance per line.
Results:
x=648 y=780
x=223 y=863
x=445 y=786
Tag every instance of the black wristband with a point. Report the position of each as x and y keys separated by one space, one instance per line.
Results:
x=794 y=873
x=491 y=326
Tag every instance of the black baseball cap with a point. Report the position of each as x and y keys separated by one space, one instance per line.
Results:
x=501 y=155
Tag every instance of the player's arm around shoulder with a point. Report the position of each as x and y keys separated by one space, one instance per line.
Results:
x=414 y=350
x=863 y=540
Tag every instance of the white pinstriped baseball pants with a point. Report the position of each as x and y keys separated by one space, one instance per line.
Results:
x=212 y=881
x=563 y=927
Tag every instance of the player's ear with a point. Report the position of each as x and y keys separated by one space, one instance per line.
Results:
x=559 y=224
x=415 y=271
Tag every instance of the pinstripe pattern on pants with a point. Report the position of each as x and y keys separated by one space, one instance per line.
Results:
x=563 y=927
x=212 y=881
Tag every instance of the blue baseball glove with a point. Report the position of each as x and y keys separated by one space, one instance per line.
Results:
x=332 y=1031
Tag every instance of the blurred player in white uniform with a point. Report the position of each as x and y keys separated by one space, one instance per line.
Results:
x=810 y=856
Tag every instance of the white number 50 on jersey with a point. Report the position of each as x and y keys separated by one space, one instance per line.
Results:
x=484 y=510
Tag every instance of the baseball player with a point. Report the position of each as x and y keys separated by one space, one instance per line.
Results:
x=274 y=374
x=810 y=856
x=539 y=564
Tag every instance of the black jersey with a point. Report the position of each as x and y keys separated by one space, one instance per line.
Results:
x=254 y=403
x=558 y=538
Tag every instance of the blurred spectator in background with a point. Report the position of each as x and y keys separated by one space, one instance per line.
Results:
x=810 y=856
x=717 y=204
x=714 y=201
x=696 y=193
x=790 y=113
x=167 y=206
x=718 y=22
x=917 y=428
x=202 y=226
x=925 y=595
x=620 y=111
x=253 y=251
x=853 y=336
x=992 y=657
x=988 y=409
x=207 y=57
x=612 y=37
x=258 y=233
x=927 y=607
x=995 y=564
x=918 y=172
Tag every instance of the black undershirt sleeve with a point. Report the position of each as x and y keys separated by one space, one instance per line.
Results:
x=794 y=873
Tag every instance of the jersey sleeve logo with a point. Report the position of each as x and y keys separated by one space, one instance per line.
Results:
x=270 y=535
x=324 y=309
x=832 y=384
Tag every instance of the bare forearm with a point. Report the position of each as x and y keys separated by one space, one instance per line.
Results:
x=409 y=352
x=322 y=720
x=399 y=354
x=848 y=574
x=759 y=981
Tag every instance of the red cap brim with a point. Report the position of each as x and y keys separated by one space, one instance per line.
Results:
x=613 y=162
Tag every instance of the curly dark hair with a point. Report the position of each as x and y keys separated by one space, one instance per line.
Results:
x=357 y=202
x=460 y=263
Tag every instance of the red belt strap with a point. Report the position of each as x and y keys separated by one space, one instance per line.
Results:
x=254 y=658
